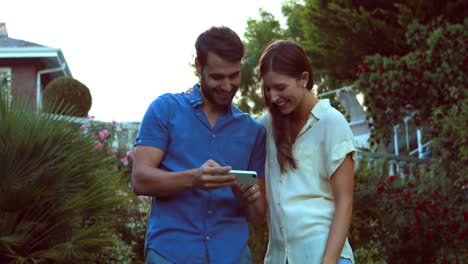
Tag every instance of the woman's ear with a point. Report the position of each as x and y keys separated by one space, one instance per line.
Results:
x=304 y=79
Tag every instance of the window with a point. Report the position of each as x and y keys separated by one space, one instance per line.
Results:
x=5 y=83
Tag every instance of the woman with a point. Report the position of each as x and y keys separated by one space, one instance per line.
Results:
x=309 y=166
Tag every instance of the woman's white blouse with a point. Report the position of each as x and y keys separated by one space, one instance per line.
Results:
x=300 y=203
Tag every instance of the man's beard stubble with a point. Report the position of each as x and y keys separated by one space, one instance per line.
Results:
x=210 y=96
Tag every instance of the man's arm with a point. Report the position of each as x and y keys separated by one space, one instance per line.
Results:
x=149 y=180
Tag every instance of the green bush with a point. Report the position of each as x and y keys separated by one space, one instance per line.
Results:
x=71 y=93
x=57 y=192
x=450 y=148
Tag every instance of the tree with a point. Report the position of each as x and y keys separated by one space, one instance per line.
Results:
x=259 y=33
x=337 y=35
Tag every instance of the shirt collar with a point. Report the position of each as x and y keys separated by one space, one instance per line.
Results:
x=195 y=96
x=320 y=108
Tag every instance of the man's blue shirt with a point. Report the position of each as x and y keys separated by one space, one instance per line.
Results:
x=186 y=226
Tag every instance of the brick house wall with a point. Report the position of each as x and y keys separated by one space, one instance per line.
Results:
x=23 y=77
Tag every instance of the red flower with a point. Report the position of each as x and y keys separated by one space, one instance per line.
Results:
x=380 y=190
x=465 y=216
x=417 y=215
x=428 y=233
x=454 y=226
x=391 y=179
x=410 y=185
x=381 y=68
x=406 y=196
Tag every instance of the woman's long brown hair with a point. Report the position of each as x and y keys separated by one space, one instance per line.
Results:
x=287 y=58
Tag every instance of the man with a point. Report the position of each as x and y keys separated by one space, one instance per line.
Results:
x=187 y=144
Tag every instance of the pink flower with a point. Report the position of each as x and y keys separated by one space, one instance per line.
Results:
x=130 y=153
x=103 y=134
x=114 y=122
x=84 y=127
x=391 y=179
x=124 y=160
x=98 y=145
x=112 y=152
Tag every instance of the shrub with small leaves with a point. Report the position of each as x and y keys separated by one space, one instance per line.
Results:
x=69 y=92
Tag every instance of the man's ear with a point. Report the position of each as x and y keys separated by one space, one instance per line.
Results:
x=198 y=65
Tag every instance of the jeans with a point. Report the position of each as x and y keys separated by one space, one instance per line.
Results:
x=344 y=261
x=154 y=258
x=340 y=261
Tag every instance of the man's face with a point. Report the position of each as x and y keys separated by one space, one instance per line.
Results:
x=220 y=80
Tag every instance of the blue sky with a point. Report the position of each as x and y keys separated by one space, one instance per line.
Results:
x=127 y=52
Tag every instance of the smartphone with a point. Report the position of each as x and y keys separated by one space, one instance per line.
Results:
x=244 y=176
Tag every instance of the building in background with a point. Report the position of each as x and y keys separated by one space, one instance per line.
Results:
x=28 y=67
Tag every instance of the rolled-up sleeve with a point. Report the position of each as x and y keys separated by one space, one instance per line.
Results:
x=339 y=142
x=153 y=130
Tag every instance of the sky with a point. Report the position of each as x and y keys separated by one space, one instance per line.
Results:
x=127 y=52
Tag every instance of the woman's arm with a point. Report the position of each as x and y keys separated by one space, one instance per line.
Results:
x=342 y=182
x=254 y=199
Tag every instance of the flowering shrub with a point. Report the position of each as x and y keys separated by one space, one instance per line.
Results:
x=430 y=78
x=131 y=216
x=408 y=222
x=424 y=221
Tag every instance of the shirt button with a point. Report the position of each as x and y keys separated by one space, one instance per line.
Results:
x=209 y=212
x=213 y=135
x=207 y=237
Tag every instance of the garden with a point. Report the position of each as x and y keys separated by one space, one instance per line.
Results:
x=65 y=193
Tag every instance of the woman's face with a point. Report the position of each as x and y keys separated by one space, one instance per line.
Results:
x=284 y=92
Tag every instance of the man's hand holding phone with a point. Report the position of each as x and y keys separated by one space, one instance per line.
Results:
x=212 y=176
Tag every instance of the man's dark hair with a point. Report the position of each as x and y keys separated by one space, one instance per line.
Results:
x=222 y=41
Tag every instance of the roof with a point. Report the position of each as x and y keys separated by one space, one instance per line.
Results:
x=6 y=41
x=11 y=48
